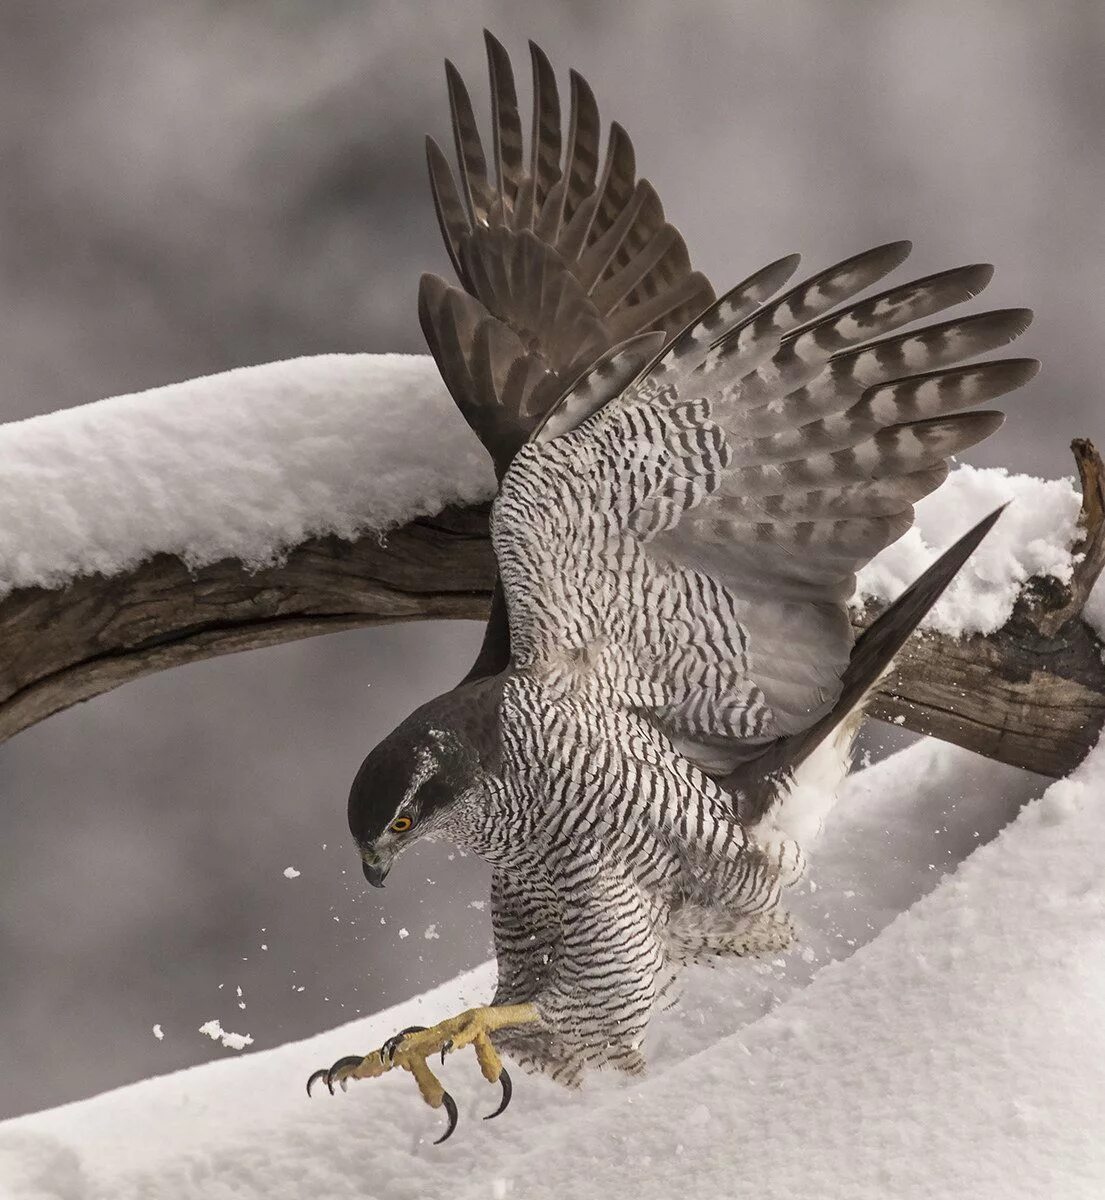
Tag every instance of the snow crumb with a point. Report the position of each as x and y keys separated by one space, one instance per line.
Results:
x=232 y=1041
x=431 y=933
x=478 y=905
x=291 y=873
x=404 y=933
x=1033 y=536
x=158 y=1033
x=246 y=464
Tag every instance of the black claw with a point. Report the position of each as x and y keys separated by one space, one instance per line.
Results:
x=320 y=1074
x=445 y=1050
x=388 y=1049
x=350 y=1060
x=508 y=1091
x=451 y=1109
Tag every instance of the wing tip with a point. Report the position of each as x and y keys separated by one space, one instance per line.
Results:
x=979 y=276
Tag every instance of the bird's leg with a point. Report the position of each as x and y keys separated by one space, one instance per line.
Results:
x=411 y=1047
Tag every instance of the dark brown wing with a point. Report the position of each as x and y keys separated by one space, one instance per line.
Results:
x=559 y=259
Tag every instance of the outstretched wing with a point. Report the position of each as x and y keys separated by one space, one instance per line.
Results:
x=688 y=550
x=560 y=259
x=560 y=262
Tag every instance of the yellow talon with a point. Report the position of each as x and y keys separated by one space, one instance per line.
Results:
x=413 y=1046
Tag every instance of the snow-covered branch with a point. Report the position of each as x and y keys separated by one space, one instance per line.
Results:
x=279 y=502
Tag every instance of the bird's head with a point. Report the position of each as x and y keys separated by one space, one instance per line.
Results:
x=409 y=786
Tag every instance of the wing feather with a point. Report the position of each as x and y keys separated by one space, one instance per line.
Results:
x=701 y=572
x=571 y=260
x=558 y=261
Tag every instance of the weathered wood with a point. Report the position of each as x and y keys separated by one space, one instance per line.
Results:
x=60 y=646
x=1032 y=695
x=1014 y=696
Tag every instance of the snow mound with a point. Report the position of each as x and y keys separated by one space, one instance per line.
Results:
x=246 y=464
x=956 y=1054
x=1033 y=537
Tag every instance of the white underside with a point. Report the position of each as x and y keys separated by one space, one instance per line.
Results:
x=801 y=811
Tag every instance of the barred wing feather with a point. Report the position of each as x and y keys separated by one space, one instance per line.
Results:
x=688 y=549
x=562 y=254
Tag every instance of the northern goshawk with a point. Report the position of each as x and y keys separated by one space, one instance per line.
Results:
x=687 y=488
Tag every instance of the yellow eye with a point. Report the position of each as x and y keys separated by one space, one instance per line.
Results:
x=400 y=825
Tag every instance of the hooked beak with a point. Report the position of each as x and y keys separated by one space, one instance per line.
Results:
x=375 y=873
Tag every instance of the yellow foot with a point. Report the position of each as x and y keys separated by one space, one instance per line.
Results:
x=411 y=1047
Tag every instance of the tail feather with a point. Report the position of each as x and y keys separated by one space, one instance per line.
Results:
x=754 y=782
x=881 y=641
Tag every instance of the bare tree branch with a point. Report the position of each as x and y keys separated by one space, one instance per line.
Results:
x=1032 y=694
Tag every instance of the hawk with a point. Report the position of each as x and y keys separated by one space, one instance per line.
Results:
x=687 y=488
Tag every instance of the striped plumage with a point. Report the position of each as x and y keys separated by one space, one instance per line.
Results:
x=687 y=490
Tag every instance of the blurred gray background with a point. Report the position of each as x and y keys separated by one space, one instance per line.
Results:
x=194 y=186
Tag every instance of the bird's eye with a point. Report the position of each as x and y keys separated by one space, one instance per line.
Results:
x=400 y=825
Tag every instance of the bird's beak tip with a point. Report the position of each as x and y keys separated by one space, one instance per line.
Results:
x=375 y=874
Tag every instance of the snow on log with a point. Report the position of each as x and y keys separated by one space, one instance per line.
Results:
x=277 y=502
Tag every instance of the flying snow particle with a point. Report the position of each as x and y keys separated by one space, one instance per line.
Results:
x=404 y=933
x=431 y=933
x=232 y=1041
x=158 y=1032
x=291 y=873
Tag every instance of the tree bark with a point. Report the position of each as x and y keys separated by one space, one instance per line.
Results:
x=1031 y=695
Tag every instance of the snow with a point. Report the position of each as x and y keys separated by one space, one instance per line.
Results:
x=245 y=464
x=291 y=873
x=940 y=1033
x=158 y=1033
x=1033 y=537
x=232 y=1041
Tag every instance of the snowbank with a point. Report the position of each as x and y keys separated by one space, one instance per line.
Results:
x=1033 y=537
x=250 y=463
x=957 y=1054
x=245 y=464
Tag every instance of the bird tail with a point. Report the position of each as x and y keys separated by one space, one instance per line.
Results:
x=872 y=654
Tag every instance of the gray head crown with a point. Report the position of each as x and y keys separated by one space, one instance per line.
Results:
x=408 y=785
